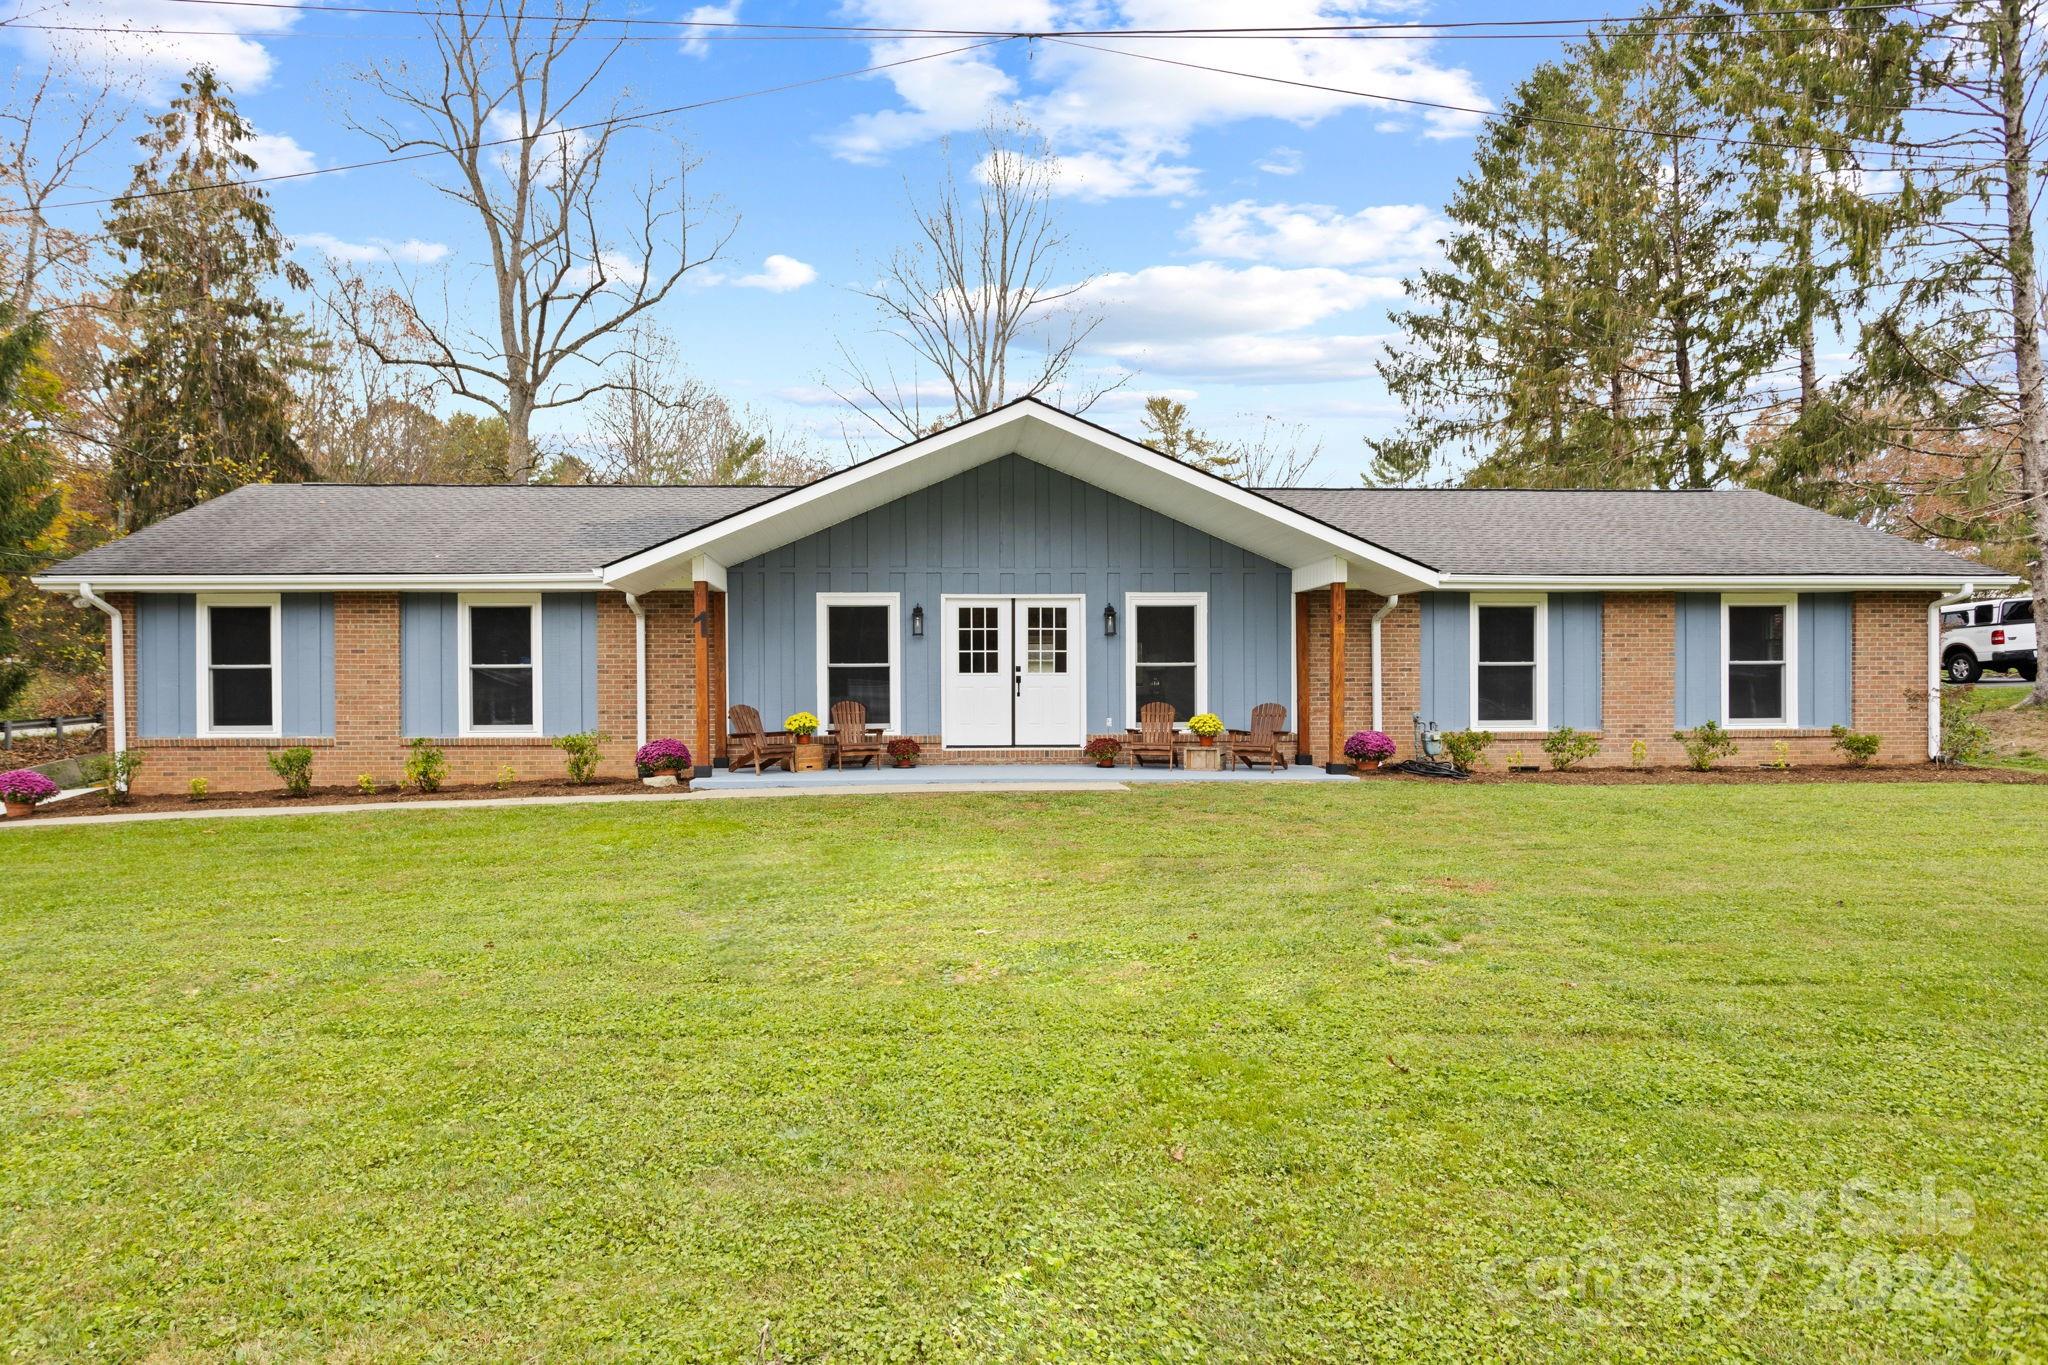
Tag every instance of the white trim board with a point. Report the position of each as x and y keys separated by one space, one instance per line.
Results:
x=1540 y=694
x=202 y=653
x=894 y=602
x=1789 y=720
x=463 y=602
x=1200 y=602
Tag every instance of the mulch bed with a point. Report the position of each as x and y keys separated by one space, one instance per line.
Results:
x=346 y=796
x=30 y=750
x=1732 y=775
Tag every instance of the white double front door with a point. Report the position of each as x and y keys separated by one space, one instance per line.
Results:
x=1012 y=671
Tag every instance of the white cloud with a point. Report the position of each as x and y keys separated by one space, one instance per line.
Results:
x=1281 y=161
x=411 y=251
x=1308 y=359
x=279 y=154
x=1133 y=115
x=1207 y=299
x=122 y=40
x=779 y=275
x=1096 y=176
x=1315 y=234
x=707 y=14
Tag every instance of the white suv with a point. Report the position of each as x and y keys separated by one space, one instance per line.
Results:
x=1994 y=635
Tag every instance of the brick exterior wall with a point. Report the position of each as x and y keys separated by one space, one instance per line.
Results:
x=367 y=736
x=1889 y=689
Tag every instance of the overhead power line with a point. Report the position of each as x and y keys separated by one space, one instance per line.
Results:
x=616 y=119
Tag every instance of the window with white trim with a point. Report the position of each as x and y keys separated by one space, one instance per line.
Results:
x=1758 y=677
x=499 y=648
x=857 y=654
x=1510 y=645
x=240 y=687
x=1168 y=658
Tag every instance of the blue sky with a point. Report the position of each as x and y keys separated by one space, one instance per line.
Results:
x=1249 y=237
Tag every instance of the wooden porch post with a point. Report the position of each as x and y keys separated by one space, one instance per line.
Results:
x=1302 y=723
x=724 y=661
x=1335 y=763
x=700 y=639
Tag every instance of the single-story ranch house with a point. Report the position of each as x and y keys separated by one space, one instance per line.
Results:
x=1002 y=590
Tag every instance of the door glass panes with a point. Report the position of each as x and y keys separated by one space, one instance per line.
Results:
x=1165 y=656
x=980 y=650
x=1045 y=640
x=857 y=658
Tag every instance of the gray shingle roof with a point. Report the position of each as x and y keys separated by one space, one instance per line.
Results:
x=434 y=529
x=1571 y=532
x=412 y=529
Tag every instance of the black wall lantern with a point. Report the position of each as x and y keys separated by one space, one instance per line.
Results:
x=917 y=621
x=1109 y=620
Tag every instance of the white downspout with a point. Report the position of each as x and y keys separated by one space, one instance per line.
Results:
x=1378 y=712
x=1967 y=591
x=639 y=671
x=118 y=703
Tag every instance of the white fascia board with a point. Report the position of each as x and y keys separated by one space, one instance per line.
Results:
x=708 y=571
x=1720 y=582
x=1320 y=574
x=576 y=582
x=1046 y=436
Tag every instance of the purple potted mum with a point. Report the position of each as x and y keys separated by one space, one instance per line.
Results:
x=663 y=763
x=1368 y=749
x=23 y=789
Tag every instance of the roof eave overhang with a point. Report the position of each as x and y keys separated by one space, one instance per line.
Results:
x=1944 y=582
x=70 y=580
x=1059 y=441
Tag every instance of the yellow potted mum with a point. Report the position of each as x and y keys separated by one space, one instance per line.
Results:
x=802 y=725
x=1206 y=727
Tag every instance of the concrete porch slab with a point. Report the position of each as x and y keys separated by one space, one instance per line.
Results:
x=994 y=776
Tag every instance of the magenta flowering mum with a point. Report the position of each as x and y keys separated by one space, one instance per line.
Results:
x=25 y=785
x=663 y=755
x=1368 y=745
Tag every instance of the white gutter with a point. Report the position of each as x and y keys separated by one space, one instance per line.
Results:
x=1728 y=582
x=118 y=702
x=1378 y=722
x=639 y=670
x=588 y=581
x=1963 y=594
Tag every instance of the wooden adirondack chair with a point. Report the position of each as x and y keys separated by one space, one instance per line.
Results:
x=1261 y=743
x=851 y=737
x=1153 y=739
x=750 y=746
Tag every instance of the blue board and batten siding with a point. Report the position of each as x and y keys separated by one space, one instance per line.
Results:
x=167 y=664
x=1824 y=646
x=1574 y=647
x=428 y=660
x=1010 y=526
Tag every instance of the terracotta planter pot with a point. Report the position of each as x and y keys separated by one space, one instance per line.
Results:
x=803 y=739
x=17 y=810
x=1105 y=763
x=1208 y=741
x=1366 y=765
x=901 y=763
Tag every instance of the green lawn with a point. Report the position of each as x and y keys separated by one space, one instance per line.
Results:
x=1388 y=1069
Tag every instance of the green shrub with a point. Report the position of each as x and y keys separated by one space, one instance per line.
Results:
x=295 y=767
x=1963 y=739
x=1857 y=746
x=506 y=777
x=581 y=754
x=1706 y=743
x=1781 y=756
x=425 y=766
x=1638 y=753
x=1466 y=748
x=196 y=788
x=1567 y=746
x=112 y=774
x=367 y=784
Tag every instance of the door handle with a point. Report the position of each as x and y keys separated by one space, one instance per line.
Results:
x=1016 y=680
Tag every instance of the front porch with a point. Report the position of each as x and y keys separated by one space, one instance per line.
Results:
x=994 y=776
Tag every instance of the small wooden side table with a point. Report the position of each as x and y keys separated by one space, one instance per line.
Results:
x=808 y=758
x=1199 y=759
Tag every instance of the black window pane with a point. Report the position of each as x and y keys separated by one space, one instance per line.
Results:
x=1174 y=685
x=868 y=686
x=1756 y=691
x=501 y=635
x=1166 y=635
x=501 y=696
x=238 y=635
x=2019 y=612
x=241 y=696
x=1984 y=614
x=1507 y=693
x=857 y=635
x=1507 y=634
x=1756 y=633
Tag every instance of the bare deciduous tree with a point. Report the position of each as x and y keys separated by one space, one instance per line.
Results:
x=1280 y=456
x=511 y=100
x=976 y=297
x=52 y=126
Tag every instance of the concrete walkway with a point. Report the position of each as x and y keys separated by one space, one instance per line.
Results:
x=703 y=793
